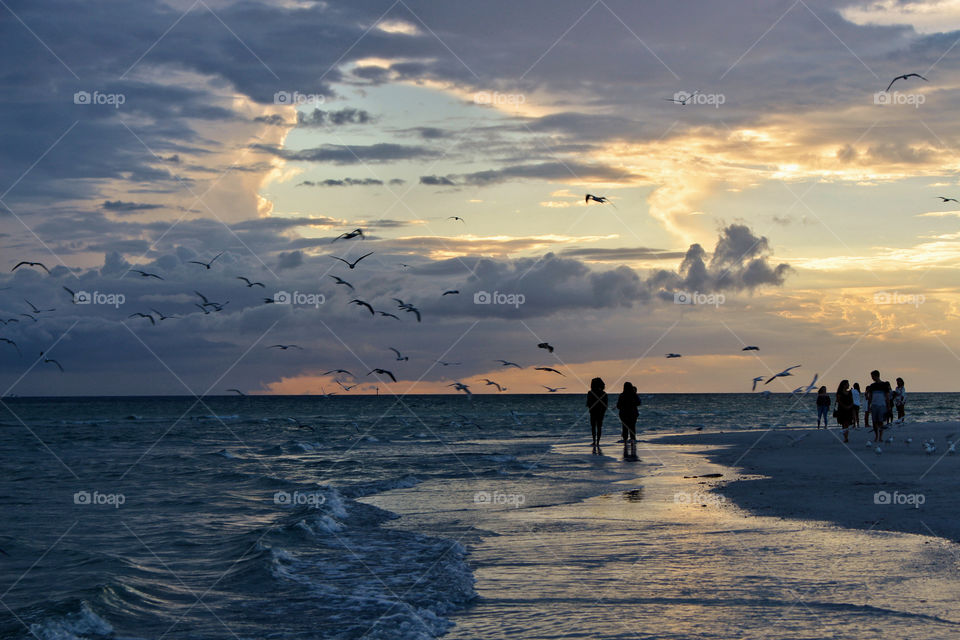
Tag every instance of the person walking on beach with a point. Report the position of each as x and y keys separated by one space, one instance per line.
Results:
x=856 y=404
x=900 y=399
x=823 y=406
x=628 y=405
x=845 y=408
x=597 y=404
x=878 y=399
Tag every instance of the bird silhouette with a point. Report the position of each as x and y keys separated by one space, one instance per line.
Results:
x=353 y=264
x=206 y=264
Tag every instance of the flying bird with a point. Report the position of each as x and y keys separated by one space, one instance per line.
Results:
x=143 y=315
x=457 y=218
x=382 y=372
x=237 y=391
x=163 y=317
x=414 y=310
x=400 y=357
x=750 y=348
x=782 y=374
x=353 y=264
x=343 y=282
x=552 y=389
x=30 y=264
x=447 y=364
x=361 y=303
x=492 y=383
x=507 y=363
x=755 y=381
x=545 y=345
x=348 y=236
x=35 y=309
x=389 y=315
x=451 y=292
x=345 y=387
x=205 y=264
x=601 y=199
x=904 y=77
x=52 y=361
x=339 y=371
x=147 y=274
x=674 y=355
x=549 y=369
x=684 y=100
x=73 y=295
x=27 y=315
x=285 y=346
x=459 y=386
x=250 y=283
x=945 y=200
x=9 y=341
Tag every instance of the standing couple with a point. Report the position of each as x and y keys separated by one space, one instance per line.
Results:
x=628 y=405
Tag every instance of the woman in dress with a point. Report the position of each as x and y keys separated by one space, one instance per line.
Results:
x=844 y=408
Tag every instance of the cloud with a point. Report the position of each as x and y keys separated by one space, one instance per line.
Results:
x=380 y=152
x=624 y=253
x=437 y=180
x=345 y=182
x=321 y=118
x=121 y=207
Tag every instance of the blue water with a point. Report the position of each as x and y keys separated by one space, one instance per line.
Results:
x=239 y=517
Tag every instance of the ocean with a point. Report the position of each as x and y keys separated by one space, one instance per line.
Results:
x=329 y=517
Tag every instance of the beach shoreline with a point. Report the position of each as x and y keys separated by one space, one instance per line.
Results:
x=809 y=474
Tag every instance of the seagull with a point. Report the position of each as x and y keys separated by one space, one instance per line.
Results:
x=545 y=345
x=343 y=282
x=353 y=264
x=945 y=200
x=27 y=315
x=339 y=371
x=8 y=321
x=250 y=283
x=461 y=387
x=52 y=361
x=599 y=199
x=683 y=101
x=348 y=236
x=217 y=306
x=361 y=303
x=73 y=295
x=457 y=218
x=389 y=315
x=237 y=391
x=400 y=357
x=492 y=383
x=813 y=383
x=202 y=308
x=904 y=77
x=205 y=264
x=447 y=364
x=782 y=374
x=345 y=387
x=35 y=309
x=413 y=309
x=452 y=292
x=163 y=317
x=755 y=381
x=143 y=315
x=750 y=348
x=147 y=274
x=674 y=355
x=383 y=372
x=507 y=363
x=552 y=389
x=549 y=369
x=9 y=341
x=878 y=450
x=285 y=346
x=31 y=264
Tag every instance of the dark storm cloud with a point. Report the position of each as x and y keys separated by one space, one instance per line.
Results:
x=121 y=207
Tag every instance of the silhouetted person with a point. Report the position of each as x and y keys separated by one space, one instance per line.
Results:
x=823 y=406
x=628 y=405
x=845 y=408
x=597 y=404
x=900 y=399
x=856 y=404
x=878 y=402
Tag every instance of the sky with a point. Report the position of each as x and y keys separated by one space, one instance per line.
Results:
x=759 y=186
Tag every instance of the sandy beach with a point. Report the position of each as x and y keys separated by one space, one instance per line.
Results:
x=809 y=474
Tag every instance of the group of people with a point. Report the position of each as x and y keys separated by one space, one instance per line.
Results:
x=628 y=407
x=880 y=400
